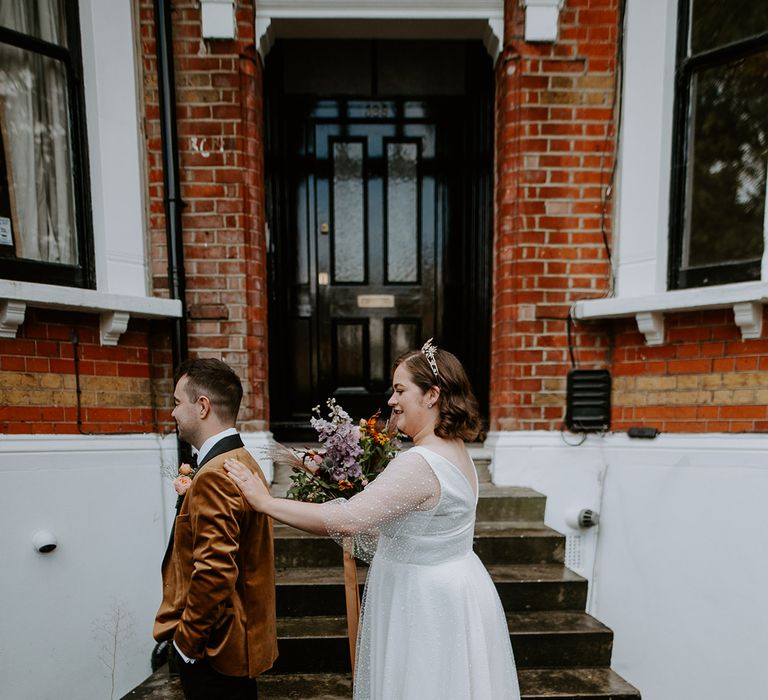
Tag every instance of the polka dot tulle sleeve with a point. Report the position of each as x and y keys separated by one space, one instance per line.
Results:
x=376 y=516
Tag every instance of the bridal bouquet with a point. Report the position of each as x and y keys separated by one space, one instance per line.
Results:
x=351 y=455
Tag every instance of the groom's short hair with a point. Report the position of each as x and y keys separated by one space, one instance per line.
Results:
x=216 y=380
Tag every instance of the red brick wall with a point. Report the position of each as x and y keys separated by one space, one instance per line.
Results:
x=219 y=129
x=123 y=388
x=555 y=152
x=127 y=388
x=704 y=378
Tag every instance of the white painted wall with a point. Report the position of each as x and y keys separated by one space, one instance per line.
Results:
x=678 y=564
x=105 y=500
x=110 y=502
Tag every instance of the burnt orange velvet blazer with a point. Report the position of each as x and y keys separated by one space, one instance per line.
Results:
x=219 y=576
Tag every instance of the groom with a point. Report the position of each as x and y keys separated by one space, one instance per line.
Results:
x=219 y=571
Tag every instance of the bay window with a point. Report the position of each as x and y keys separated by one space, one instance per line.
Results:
x=718 y=209
x=45 y=233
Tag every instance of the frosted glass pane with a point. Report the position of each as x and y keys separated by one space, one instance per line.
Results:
x=348 y=213
x=402 y=212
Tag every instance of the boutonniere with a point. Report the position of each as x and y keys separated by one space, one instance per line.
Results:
x=184 y=480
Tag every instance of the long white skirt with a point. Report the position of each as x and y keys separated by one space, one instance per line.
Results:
x=433 y=632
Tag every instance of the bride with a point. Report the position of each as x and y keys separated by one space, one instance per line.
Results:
x=432 y=625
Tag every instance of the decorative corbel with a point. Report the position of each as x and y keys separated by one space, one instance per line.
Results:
x=651 y=325
x=217 y=19
x=264 y=36
x=494 y=37
x=542 y=19
x=11 y=317
x=749 y=318
x=113 y=325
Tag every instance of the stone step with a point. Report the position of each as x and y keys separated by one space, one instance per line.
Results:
x=565 y=639
x=518 y=543
x=306 y=686
x=533 y=587
x=307 y=591
x=559 y=639
x=535 y=684
x=513 y=543
x=510 y=504
x=496 y=503
x=573 y=684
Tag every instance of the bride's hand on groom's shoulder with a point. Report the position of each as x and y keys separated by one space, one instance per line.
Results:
x=253 y=489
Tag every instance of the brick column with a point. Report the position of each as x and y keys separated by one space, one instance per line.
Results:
x=555 y=151
x=218 y=95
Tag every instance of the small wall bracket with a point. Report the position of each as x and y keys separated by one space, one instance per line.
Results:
x=651 y=325
x=542 y=18
x=113 y=325
x=11 y=317
x=748 y=316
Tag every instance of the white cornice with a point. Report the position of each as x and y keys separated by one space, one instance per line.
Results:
x=115 y=309
x=745 y=298
x=444 y=17
x=395 y=9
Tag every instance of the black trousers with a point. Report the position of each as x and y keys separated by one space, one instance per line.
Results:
x=201 y=682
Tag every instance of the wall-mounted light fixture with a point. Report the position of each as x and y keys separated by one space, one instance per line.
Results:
x=44 y=541
x=218 y=19
x=542 y=19
x=581 y=518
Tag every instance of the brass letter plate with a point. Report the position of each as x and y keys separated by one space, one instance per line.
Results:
x=376 y=301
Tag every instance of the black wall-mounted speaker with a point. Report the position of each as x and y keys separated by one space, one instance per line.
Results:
x=588 y=400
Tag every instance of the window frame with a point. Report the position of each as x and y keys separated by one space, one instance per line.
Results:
x=84 y=273
x=686 y=68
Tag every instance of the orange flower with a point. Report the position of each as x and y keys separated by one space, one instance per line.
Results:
x=182 y=484
x=345 y=485
x=184 y=469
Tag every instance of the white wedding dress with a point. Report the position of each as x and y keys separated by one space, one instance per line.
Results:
x=432 y=625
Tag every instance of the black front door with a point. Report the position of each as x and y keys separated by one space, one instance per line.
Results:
x=367 y=212
x=374 y=236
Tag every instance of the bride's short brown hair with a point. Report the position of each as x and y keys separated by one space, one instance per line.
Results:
x=458 y=414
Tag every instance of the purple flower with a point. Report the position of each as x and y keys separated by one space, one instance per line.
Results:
x=341 y=440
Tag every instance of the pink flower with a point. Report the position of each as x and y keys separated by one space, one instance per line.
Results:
x=185 y=469
x=182 y=484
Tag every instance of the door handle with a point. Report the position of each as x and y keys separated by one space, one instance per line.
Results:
x=323 y=278
x=325 y=228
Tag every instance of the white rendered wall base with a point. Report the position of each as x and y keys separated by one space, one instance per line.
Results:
x=65 y=613
x=677 y=565
x=109 y=500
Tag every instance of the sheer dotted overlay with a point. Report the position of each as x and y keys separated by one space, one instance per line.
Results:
x=432 y=625
x=375 y=519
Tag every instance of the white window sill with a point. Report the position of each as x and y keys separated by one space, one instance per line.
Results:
x=746 y=299
x=115 y=309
